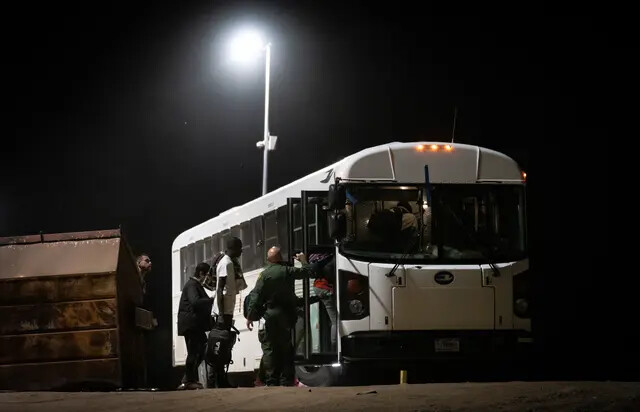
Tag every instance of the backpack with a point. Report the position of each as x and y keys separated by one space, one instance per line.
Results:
x=219 y=346
x=211 y=280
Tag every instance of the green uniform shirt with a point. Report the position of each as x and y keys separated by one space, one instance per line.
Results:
x=274 y=293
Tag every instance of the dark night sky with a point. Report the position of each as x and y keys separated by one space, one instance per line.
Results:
x=126 y=115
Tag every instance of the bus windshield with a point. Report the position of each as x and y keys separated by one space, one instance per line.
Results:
x=463 y=223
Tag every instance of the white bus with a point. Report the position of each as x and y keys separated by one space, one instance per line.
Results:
x=457 y=288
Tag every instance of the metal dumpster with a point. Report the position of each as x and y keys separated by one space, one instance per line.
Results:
x=68 y=312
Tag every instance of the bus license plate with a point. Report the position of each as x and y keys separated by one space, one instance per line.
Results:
x=447 y=345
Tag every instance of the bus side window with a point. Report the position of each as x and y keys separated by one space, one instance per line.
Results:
x=258 y=242
x=234 y=231
x=283 y=231
x=297 y=228
x=208 y=252
x=224 y=236
x=199 y=251
x=270 y=232
x=246 y=259
x=216 y=244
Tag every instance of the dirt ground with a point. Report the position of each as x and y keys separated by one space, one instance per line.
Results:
x=502 y=396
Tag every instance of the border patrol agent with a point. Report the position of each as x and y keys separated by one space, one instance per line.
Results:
x=274 y=299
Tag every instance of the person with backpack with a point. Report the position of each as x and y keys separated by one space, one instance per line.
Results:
x=227 y=280
x=194 y=320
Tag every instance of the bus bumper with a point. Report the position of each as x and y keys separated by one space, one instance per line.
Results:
x=435 y=345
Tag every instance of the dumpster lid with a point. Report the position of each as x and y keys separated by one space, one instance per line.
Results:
x=92 y=252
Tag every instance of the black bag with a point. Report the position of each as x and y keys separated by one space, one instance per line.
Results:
x=219 y=346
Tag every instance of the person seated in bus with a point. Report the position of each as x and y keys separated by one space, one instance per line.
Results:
x=409 y=221
x=385 y=228
x=395 y=227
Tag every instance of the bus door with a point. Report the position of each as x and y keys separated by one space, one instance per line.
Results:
x=309 y=234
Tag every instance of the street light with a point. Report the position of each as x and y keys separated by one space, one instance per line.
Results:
x=246 y=46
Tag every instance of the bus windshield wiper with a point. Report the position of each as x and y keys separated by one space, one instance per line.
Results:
x=479 y=245
x=403 y=257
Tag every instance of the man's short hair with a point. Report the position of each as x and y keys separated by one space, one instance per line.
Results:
x=202 y=267
x=233 y=243
x=139 y=258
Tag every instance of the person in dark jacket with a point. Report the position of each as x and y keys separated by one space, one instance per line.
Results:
x=194 y=319
x=143 y=263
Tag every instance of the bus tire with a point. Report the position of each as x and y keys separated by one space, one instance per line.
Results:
x=318 y=375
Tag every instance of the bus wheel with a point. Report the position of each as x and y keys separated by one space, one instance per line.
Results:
x=318 y=375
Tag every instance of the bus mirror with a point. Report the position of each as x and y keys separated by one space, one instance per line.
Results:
x=337 y=197
x=337 y=226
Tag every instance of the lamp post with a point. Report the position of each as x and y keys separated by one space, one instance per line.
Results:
x=246 y=46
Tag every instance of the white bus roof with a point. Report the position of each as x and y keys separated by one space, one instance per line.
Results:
x=393 y=162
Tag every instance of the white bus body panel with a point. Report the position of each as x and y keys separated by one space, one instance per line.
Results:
x=467 y=303
x=419 y=303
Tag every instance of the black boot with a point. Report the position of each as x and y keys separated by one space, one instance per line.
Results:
x=221 y=378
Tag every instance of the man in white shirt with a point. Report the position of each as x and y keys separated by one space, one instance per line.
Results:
x=230 y=281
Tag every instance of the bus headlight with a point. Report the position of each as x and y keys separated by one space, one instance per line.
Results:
x=522 y=294
x=356 y=307
x=521 y=307
x=354 y=295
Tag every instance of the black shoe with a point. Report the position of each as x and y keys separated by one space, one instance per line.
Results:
x=226 y=384
x=190 y=386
